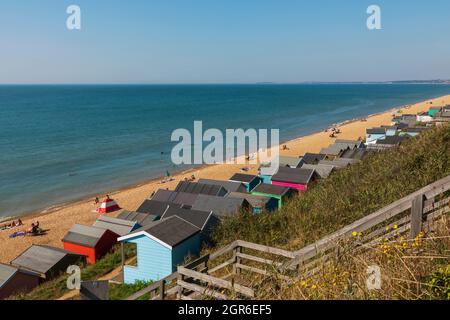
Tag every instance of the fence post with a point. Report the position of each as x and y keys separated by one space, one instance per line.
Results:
x=180 y=288
x=416 y=215
x=237 y=259
x=162 y=288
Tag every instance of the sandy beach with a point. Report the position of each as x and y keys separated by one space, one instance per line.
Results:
x=59 y=220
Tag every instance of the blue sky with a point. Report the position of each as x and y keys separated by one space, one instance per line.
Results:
x=222 y=41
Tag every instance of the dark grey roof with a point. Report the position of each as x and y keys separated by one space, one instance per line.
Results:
x=171 y=231
x=242 y=177
x=339 y=162
x=255 y=201
x=87 y=236
x=313 y=158
x=415 y=129
x=153 y=207
x=116 y=225
x=221 y=206
x=401 y=126
x=359 y=153
x=334 y=149
x=230 y=186
x=200 y=188
x=294 y=175
x=322 y=170
x=7 y=272
x=142 y=219
x=181 y=198
x=290 y=161
x=195 y=217
x=349 y=143
x=271 y=189
x=40 y=258
x=392 y=140
x=376 y=131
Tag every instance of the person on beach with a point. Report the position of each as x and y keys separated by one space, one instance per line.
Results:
x=30 y=230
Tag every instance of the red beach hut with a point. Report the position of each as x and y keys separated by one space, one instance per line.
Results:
x=108 y=205
x=92 y=242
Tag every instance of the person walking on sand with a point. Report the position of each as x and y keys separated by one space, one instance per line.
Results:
x=96 y=200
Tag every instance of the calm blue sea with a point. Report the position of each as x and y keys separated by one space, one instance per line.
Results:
x=61 y=143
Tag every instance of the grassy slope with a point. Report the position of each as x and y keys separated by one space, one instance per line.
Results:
x=408 y=271
x=347 y=195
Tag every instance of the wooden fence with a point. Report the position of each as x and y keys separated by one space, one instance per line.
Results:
x=212 y=275
x=412 y=213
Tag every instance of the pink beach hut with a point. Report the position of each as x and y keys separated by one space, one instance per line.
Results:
x=108 y=205
x=294 y=178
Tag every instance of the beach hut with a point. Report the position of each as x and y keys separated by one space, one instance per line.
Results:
x=230 y=186
x=154 y=207
x=374 y=134
x=358 y=154
x=322 y=170
x=351 y=144
x=220 y=206
x=392 y=130
x=160 y=248
x=313 y=158
x=116 y=225
x=294 y=178
x=201 y=188
x=389 y=142
x=250 y=181
x=335 y=150
x=433 y=110
x=48 y=262
x=266 y=172
x=204 y=220
x=174 y=197
x=14 y=280
x=142 y=219
x=257 y=203
x=273 y=191
x=291 y=162
x=90 y=241
x=340 y=163
x=424 y=117
x=412 y=132
x=108 y=205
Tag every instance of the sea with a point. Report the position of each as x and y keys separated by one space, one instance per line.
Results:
x=60 y=143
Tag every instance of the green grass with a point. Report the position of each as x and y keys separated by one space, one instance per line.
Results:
x=346 y=195
x=55 y=288
x=123 y=291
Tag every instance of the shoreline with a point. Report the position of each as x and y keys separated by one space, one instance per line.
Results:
x=82 y=199
x=58 y=219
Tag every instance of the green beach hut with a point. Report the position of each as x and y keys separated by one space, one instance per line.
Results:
x=278 y=192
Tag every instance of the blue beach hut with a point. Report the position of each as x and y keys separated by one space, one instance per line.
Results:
x=161 y=247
